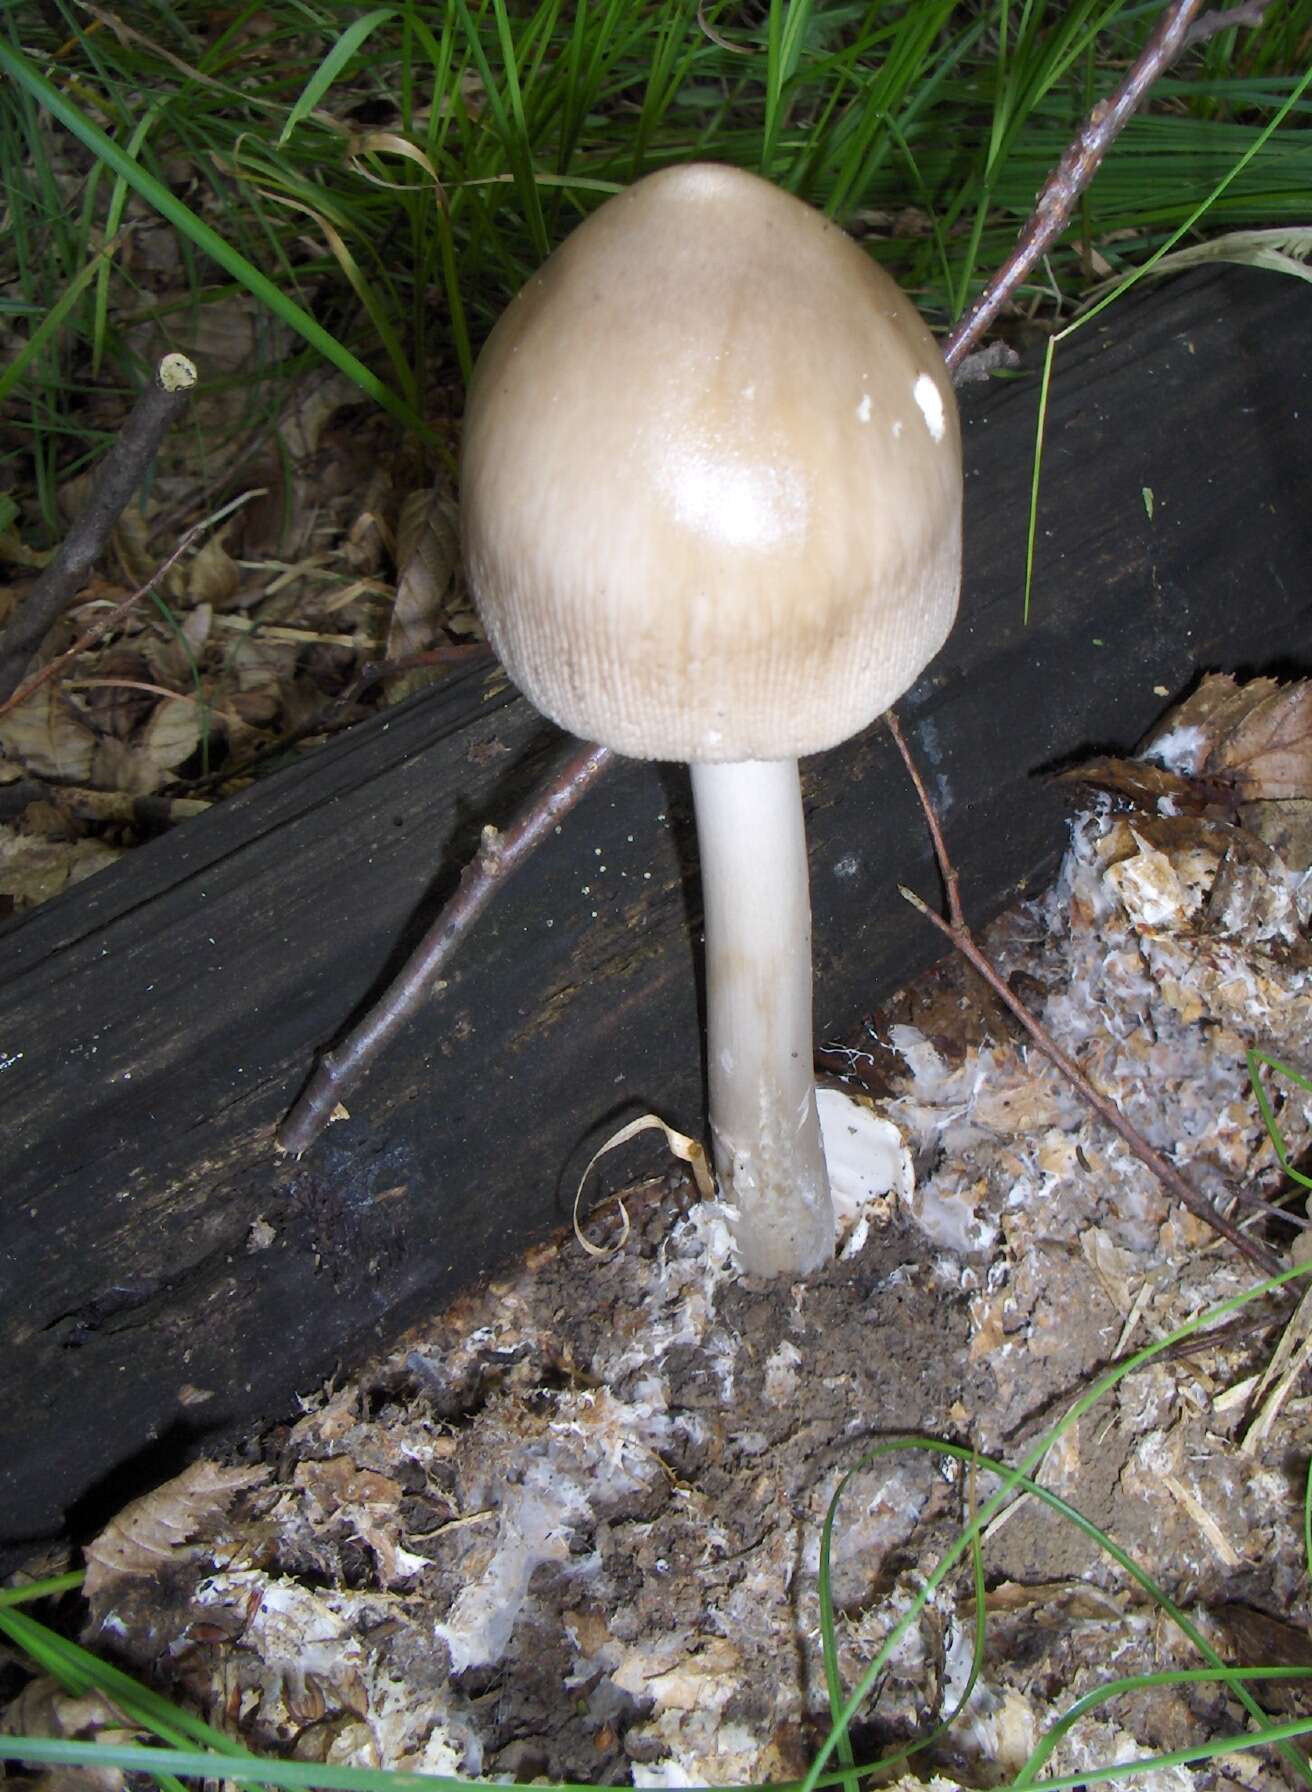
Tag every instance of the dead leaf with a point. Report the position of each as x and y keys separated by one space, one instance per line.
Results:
x=337 y=1482
x=43 y=1708
x=1218 y=704
x=153 y=1530
x=214 y=577
x=120 y=765
x=46 y=734
x=1135 y=781
x=33 y=870
x=263 y=671
x=131 y=539
x=115 y=706
x=172 y=734
x=1269 y=752
x=1285 y=827
x=428 y=551
x=197 y=626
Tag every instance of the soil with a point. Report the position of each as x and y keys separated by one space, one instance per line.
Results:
x=572 y=1528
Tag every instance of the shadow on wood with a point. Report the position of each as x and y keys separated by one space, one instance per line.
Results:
x=166 y=1280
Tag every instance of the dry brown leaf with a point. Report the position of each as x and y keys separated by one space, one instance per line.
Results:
x=214 y=577
x=1285 y=827
x=43 y=1708
x=337 y=1482
x=1269 y=751
x=47 y=736
x=1127 y=835
x=222 y=335
x=120 y=765
x=14 y=551
x=151 y=1531
x=369 y=541
x=428 y=555
x=131 y=539
x=197 y=626
x=172 y=734
x=116 y=706
x=1134 y=781
x=33 y=870
x=1214 y=709
x=262 y=672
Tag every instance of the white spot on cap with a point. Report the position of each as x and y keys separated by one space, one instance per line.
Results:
x=897 y=428
x=863 y=410
x=930 y=400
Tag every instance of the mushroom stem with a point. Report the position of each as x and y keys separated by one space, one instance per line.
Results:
x=764 y=1126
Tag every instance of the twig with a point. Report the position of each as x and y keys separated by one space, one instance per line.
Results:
x=1077 y=167
x=340 y=1070
x=118 y=476
x=959 y=933
x=498 y=856
x=110 y=619
x=1251 y=13
x=103 y=625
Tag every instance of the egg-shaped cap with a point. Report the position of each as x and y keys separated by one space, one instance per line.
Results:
x=711 y=481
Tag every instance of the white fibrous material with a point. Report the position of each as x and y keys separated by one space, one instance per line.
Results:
x=1168 y=960
x=1183 y=749
x=868 y=1163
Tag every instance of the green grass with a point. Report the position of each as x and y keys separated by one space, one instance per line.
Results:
x=381 y=179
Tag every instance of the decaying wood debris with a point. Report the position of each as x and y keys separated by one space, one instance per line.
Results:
x=571 y=1527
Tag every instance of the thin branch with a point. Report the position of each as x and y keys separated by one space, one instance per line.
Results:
x=1077 y=167
x=961 y=937
x=118 y=476
x=110 y=619
x=498 y=856
x=342 y=1069
x=1250 y=14
x=104 y=624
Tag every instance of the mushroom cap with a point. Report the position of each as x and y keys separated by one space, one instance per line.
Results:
x=711 y=479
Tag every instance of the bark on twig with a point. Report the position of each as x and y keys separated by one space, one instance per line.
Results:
x=118 y=476
x=499 y=855
x=956 y=930
x=340 y=1070
x=102 y=626
x=1250 y=14
x=1077 y=167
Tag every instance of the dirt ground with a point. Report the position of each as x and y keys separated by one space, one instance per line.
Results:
x=571 y=1529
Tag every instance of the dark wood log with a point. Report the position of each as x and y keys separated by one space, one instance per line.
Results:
x=166 y=1280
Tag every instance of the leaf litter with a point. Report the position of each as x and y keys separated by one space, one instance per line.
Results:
x=339 y=555
x=570 y=1526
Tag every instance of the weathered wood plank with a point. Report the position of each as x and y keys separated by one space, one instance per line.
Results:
x=164 y=1277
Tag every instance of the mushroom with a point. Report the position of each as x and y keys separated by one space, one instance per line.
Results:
x=711 y=512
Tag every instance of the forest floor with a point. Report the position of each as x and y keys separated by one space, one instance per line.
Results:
x=572 y=1527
